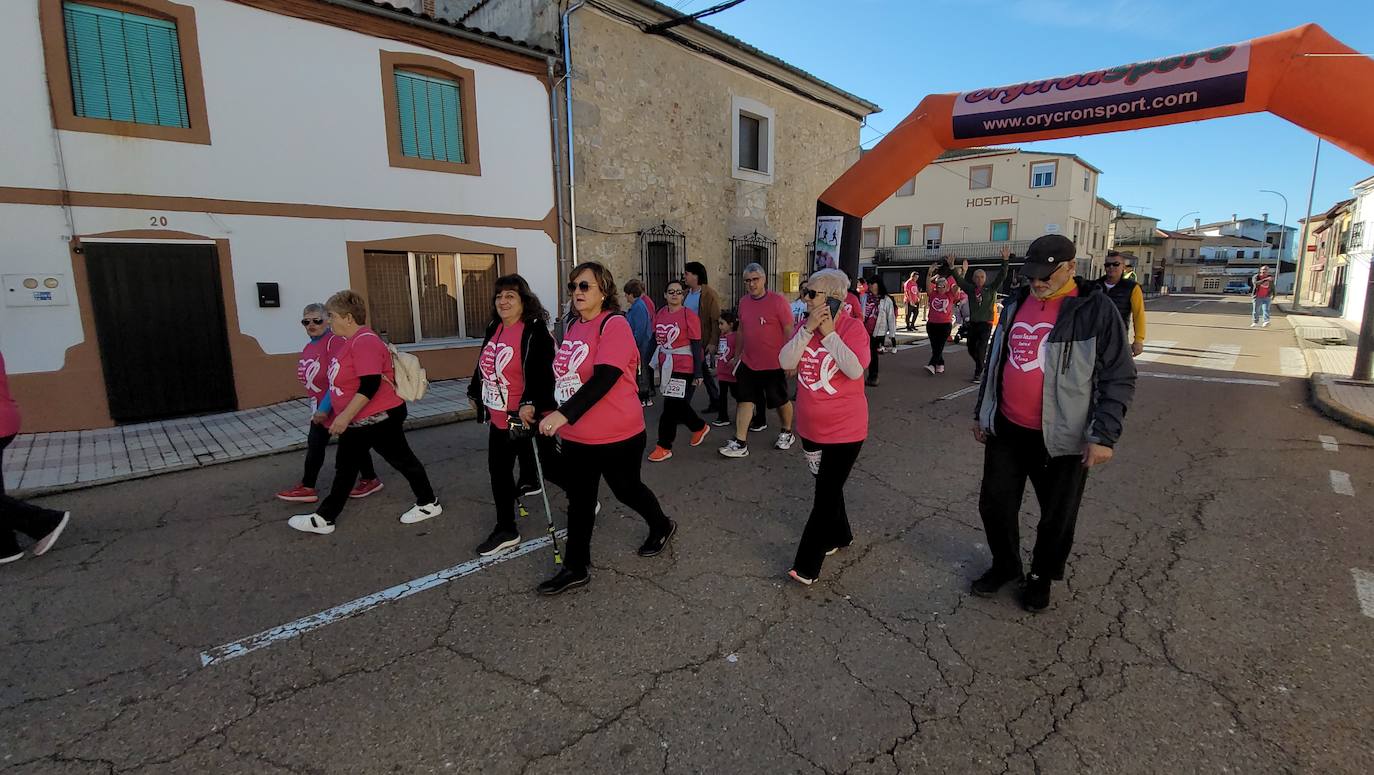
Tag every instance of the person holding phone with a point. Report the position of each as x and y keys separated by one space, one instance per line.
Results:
x=830 y=353
x=678 y=360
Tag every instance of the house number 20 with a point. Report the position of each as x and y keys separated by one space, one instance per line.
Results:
x=157 y=220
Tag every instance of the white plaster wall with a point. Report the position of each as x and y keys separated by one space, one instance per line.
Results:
x=295 y=114
x=307 y=257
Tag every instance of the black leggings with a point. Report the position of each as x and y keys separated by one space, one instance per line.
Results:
x=315 y=443
x=502 y=452
x=874 y=342
x=388 y=437
x=678 y=411
x=584 y=465
x=828 y=526
x=939 y=334
x=16 y=516
x=978 y=333
x=913 y=311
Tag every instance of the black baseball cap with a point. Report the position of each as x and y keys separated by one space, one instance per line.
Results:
x=1046 y=254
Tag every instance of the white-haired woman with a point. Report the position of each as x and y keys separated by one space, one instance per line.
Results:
x=829 y=353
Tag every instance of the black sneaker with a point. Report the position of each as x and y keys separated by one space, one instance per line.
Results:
x=529 y=488
x=987 y=584
x=721 y=422
x=499 y=541
x=1036 y=596
x=654 y=545
x=563 y=581
x=763 y=426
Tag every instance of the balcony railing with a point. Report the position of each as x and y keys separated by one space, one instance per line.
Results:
x=919 y=255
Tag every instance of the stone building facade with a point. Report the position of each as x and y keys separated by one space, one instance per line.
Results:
x=690 y=145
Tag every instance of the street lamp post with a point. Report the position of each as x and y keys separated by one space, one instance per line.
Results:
x=1306 y=224
x=1283 y=232
x=1179 y=222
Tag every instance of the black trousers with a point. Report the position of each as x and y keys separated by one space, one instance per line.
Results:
x=913 y=311
x=678 y=411
x=708 y=381
x=316 y=441
x=939 y=334
x=874 y=342
x=723 y=405
x=828 y=525
x=978 y=333
x=584 y=465
x=388 y=438
x=502 y=452
x=1011 y=456
x=16 y=516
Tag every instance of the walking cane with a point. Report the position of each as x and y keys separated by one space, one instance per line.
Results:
x=526 y=432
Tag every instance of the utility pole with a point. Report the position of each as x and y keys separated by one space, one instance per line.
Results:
x=1306 y=225
x=1364 y=350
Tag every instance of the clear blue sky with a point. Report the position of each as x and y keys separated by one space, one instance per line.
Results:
x=894 y=52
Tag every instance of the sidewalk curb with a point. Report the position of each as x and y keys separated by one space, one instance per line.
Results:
x=447 y=418
x=1321 y=398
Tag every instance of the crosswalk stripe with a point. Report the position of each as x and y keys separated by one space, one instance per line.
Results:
x=1221 y=357
x=1364 y=590
x=1155 y=350
x=1291 y=362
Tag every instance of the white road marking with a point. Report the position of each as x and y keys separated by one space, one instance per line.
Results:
x=1154 y=351
x=1329 y=443
x=1340 y=483
x=1291 y=362
x=958 y=393
x=354 y=607
x=1220 y=356
x=1364 y=590
x=1194 y=304
x=1223 y=380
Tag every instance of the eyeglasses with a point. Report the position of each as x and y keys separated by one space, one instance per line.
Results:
x=312 y=321
x=753 y=279
x=673 y=292
x=1112 y=263
x=810 y=294
x=583 y=286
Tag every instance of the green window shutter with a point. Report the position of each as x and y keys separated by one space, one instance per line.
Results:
x=431 y=117
x=1001 y=231
x=125 y=67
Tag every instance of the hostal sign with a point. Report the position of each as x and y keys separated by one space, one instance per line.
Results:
x=988 y=201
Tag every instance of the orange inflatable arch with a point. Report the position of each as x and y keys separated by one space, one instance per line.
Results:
x=1304 y=75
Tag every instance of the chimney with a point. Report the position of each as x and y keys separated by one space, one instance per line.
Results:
x=1234 y=219
x=1197 y=225
x=1266 y=220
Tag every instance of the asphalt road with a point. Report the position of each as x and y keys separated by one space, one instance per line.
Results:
x=1211 y=620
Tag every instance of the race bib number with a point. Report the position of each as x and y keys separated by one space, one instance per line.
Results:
x=566 y=386
x=676 y=388
x=495 y=396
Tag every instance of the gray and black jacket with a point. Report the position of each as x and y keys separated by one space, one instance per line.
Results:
x=1089 y=372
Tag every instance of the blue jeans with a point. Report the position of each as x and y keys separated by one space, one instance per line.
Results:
x=1259 y=305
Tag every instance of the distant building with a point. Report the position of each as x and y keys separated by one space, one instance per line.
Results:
x=1327 y=271
x=1139 y=236
x=1258 y=229
x=1361 y=250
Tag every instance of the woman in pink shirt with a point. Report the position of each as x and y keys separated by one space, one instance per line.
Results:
x=368 y=414
x=600 y=422
x=830 y=354
x=312 y=369
x=944 y=297
x=678 y=360
x=44 y=526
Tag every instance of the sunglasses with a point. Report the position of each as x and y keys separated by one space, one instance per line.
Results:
x=1112 y=263
x=312 y=321
x=583 y=286
x=672 y=292
x=810 y=294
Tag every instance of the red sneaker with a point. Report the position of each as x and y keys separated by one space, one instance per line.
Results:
x=365 y=487
x=700 y=435
x=659 y=454
x=299 y=494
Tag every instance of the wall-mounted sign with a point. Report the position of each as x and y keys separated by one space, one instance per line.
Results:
x=35 y=290
x=1051 y=228
x=988 y=201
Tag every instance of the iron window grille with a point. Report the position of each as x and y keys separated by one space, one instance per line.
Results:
x=752 y=249
x=662 y=254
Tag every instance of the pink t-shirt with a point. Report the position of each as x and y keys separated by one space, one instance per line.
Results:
x=851 y=306
x=9 y=410
x=618 y=415
x=1023 y=377
x=362 y=355
x=503 y=376
x=764 y=323
x=912 y=290
x=831 y=407
x=312 y=369
x=870 y=301
x=940 y=306
x=725 y=358
x=674 y=330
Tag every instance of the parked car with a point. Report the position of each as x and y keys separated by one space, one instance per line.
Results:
x=1237 y=286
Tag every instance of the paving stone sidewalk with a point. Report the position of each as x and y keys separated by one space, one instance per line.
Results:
x=39 y=463
x=1327 y=344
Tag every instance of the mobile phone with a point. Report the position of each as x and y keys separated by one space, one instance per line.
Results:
x=834 y=305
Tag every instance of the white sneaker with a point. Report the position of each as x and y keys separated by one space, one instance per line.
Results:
x=421 y=513
x=45 y=543
x=930 y=368
x=785 y=439
x=733 y=448
x=12 y=558
x=311 y=523
x=1254 y=325
x=1266 y=324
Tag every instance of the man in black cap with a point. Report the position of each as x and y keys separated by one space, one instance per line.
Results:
x=1059 y=380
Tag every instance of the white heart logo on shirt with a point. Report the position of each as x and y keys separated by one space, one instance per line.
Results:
x=667 y=334
x=1025 y=361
